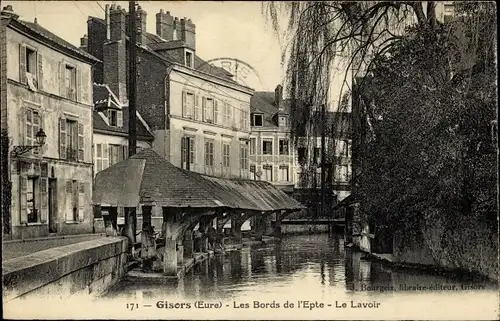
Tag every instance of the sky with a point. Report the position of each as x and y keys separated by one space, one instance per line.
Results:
x=223 y=28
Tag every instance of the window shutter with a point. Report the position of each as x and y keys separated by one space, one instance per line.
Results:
x=23 y=182
x=78 y=85
x=216 y=112
x=22 y=64
x=193 y=151
x=40 y=71
x=81 y=147
x=84 y=84
x=119 y=119
x=197 y=107
x=203 y=108
x=62 y=138
x=44 y=199
x=184 y=105
x=62 y=79
x=105 y=158
x=81 y=201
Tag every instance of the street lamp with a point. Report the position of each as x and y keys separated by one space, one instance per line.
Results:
x=40 y=137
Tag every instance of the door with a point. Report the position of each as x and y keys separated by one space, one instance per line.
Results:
x=52 y=206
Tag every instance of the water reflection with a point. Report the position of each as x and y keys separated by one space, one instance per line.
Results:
x=314 y=263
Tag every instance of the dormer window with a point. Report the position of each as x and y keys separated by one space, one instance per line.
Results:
x=115 y=118
x=257 y=120
x=189 y=58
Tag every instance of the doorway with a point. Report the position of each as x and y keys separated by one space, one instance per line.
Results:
x=52 y=206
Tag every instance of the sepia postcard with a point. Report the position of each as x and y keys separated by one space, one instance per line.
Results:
x=232 y=160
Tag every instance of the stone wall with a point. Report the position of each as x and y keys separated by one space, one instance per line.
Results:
x=467 y=245
x=86 y=268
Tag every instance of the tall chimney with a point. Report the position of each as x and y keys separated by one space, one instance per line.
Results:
x=188 y=33
x=115 y=55
x=84 y=42
x=278 y=95
x=165 y=25
x=141 y=25
x=9 y=12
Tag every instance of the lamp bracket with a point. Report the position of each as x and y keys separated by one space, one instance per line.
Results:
x=19 y=150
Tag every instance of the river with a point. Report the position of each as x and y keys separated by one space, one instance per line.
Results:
x=319 y=277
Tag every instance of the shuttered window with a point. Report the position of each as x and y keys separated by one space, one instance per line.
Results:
x=209 y=153
x=32 y=201
x=30 y=67
x=71 y=140
x=225 y=155
x=101 y=157
x=81 y=201
x=216 y=112
x=32 y=123
x=188 y=104
x=197 y=107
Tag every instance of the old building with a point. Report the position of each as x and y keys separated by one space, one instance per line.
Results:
x=110 y=124
x=198 y=114
x=273 y=157
x=48 y=90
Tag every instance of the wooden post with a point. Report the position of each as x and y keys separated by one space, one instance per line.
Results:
x=236 y=227
x=188 y=244
x=130 y=224
x=259 y=227
x=148 y=244
x=277 y=224
x=180 y=251
x=170 y=254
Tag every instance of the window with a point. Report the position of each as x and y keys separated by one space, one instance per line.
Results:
x=216 y=112
x=253 y=146
x=189 y=59
x=32 y=122
x=209 y=153
x=283 y=173
x=267 y=146
x=188 y=104
x=342 y=173
x=267 y=173
x=75 y=198
x=225 y=155
x=302 y=155
x=101 y=157
x=30 y=67
x=70 y=82
x=31 y=61
x=317 y=155
x=257 y=120
x=71 y=140
x=244 y=157
x=117 y=153
x=253 y=172
x=208 y=110
x=283 y=121
x=32 y=200
x=283 y=146
x=188 y=153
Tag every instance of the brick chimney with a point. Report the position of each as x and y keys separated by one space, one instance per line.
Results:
x=165 y=25
x=278 y=95
x=115 y=54
x=84 y=42
x=141 y=25
x=9 y=12
x=186 y=31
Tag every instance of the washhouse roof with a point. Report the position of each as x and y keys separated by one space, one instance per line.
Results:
x=147 y=178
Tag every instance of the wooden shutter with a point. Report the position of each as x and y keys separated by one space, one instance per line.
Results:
x=119 y=119
x=62 y=138
x=81 y=147
x=184 y=104
x=78 y=85
x=44 y=199
x=203 y=108
x=22 y=64
x=62 y=79
x=183 y=152
x=192 y=151
x=69 y=198
x=197 y=107
x=23 y=184
x=216 y=112
x=105 y=158
x=81 y=201
x=84 y=87
x=40 y=71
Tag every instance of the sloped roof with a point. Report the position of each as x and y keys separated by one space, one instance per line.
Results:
x=43 y=34
x=151 y=178
x=102 y=96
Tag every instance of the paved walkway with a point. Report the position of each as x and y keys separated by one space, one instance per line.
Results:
x=16 y=249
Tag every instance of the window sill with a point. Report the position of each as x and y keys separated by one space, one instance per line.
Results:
x=35 y=224
x=72 y=222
